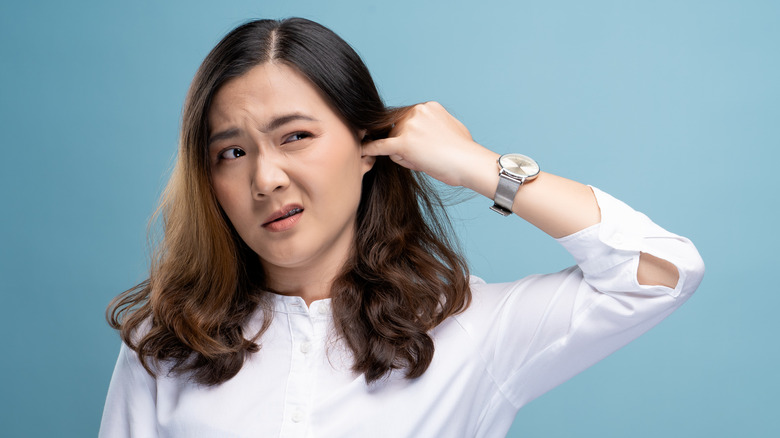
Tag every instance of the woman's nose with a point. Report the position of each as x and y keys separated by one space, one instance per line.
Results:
x=270 y=176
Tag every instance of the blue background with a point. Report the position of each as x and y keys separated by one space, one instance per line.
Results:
x=672 y=106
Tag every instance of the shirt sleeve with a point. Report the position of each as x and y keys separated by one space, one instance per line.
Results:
x=542 y=330
x=130 y=405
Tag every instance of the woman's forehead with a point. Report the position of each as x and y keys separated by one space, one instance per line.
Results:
x=266 y=92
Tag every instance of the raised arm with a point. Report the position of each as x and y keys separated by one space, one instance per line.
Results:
x=431 y=140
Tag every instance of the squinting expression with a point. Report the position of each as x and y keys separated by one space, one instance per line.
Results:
x=286 y=169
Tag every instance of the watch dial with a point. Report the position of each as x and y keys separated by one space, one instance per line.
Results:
x=519 y=165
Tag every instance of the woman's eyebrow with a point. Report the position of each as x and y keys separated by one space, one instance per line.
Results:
x=285 y=119
x=275 y=123
x=224 y=135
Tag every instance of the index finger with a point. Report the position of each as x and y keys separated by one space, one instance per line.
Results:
x=382 y=146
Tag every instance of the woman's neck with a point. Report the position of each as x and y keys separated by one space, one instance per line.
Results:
x=311 y=280
x=307 y=284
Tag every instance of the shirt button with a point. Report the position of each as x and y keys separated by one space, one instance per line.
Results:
x=297 y=416
x=323 y=309
x=305 y=347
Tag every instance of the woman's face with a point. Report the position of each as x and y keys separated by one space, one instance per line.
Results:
x=286 y=169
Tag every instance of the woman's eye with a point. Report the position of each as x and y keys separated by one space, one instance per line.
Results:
x=231 y=154
x=297 y=136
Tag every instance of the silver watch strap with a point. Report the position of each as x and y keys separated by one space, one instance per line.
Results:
x=505 y=194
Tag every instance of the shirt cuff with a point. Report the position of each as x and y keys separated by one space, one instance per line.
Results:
x=608 y=252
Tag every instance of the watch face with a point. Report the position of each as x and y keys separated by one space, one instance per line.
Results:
x=519 y=165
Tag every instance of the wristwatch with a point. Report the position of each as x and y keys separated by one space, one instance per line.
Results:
x=514 y=170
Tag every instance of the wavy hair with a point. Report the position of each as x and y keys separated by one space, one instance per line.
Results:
x=403 y=277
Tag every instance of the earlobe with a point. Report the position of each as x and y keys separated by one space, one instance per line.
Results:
x=367 y=162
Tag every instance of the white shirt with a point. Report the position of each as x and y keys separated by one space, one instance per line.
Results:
x=516 y=341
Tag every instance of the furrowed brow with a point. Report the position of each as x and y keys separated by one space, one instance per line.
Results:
x=276 y=123
x=285 y=119
x=224 y=135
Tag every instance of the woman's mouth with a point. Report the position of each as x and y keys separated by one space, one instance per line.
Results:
x=283 y=219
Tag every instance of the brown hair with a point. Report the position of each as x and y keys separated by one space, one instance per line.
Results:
x=402 y=279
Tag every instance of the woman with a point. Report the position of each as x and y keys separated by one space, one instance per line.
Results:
x=305 y=285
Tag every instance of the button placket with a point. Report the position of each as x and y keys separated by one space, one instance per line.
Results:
x=299 y=389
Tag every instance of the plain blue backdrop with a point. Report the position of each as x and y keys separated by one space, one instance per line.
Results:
x=672 y=106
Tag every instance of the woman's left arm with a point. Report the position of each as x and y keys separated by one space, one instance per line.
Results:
x=430 y=140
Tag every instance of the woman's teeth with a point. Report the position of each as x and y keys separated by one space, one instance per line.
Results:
x=294 y=211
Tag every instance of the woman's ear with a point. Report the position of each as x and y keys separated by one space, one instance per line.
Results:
x=367 y=161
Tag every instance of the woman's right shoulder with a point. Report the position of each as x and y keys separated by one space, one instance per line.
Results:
x=491 y=297
x=494 y=305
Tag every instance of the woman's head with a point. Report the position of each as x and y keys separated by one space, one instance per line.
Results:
x=312 y=61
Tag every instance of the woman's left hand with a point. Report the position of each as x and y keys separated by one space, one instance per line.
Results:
x=431 y=140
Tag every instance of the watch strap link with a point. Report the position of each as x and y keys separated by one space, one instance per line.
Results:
x=505 y=194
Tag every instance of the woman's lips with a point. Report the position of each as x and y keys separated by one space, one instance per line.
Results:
x=284 y=218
